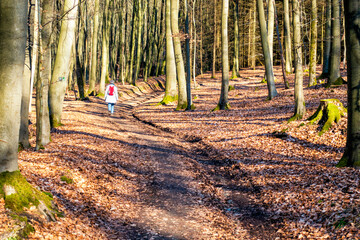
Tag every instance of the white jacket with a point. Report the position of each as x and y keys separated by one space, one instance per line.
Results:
x=113 y=98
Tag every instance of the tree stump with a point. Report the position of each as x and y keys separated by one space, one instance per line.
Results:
x=328 y=112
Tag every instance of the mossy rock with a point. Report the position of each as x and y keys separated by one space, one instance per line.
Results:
x=328 y=112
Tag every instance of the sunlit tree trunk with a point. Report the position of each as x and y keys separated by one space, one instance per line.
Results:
x=224 y=102
x=215 y=43
x=13 y=19
x=235 y=70
x=105 y=49
x=180 y=70
x=94 y=46
x=253 y=36
x=188 y=57
x=351 y=156
x=335 y=56
x=133 y=44
x=265 y=45
x=201 y=37
x=313 y=44
x=298 y=91
x=270 y=28
x=287 y=32
x=44 y=75
x=170 y=87
x=62 y=62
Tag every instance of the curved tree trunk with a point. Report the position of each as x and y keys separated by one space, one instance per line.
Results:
x=265 y=45
x=351 y=156
x=180 y=70
x=94 y=46
x=170 y=88
x=62 y=62
x=13 y=26
x=298 y=92
x=313 y=46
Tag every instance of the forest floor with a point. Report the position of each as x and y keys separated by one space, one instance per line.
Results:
x=149 y=172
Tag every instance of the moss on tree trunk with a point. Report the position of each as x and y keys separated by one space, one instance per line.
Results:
x=21 y=197
x=329 y=111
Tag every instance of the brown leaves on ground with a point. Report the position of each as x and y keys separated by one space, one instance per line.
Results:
x=281 y=172
x=299 y=185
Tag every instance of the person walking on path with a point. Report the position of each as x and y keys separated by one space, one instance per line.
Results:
x=111 y=96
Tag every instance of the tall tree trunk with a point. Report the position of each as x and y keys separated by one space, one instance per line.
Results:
x=253 y=36
x=62 y=62
x=298 y=91
x=351 y=156
x=182 y=103
x=13 y=30
x=105 y=49
x=270 y=29
x=138 y=43
x=215 y=43
x=94 y=47
x=133 y=44
x=201 y=37
x=235 y=70
x=287 y=37
x=223 y=101
x=79 y=57
x=327 y=50
x=313 y=46
x=188 y=57
x=334 y=70
x=44 y=75
x=170 y=87
x=265 y=45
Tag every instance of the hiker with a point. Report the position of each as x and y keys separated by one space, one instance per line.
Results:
x=111 y=96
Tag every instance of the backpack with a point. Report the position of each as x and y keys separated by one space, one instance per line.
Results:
x=111 y=90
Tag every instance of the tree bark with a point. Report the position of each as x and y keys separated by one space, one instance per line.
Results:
x=313 y=44
x=94 y=47
x=327 y=49
x=215 y=43
x=351 y=157
x=62 y=62
x=287 y=32
x=223 y=101
x=265 y=45
x=235 y=70
x=188 y=57
x=270 y=29
x=180 y=70
x=298 y=91
x=334 y=70
x=13 y=30
x=170 y=87
x=105 y=49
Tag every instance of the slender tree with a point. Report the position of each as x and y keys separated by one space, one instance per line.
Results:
x=215 y=43
x=94 y=47
x=287 y=33
x=270 y=28
x=62 y=62
x=327 y=48
x=223 y=101
x=44 y=75
x=334 y=71
x=313 y=44
x=265 y=45
x=351 y=157
x=298 y=91
x=235 y=70
x=188 y=57
x=180 y=70
x=105 y=48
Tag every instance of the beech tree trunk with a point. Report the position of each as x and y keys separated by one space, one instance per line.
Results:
x=287 y=32
x=270 y=28
x=170 y=87
x=224 y=102
x=215 y=43
x=62 y=62
x=351 y=157
x=44 y=75
x=94 y=47
x=298 y=91
x=105 y=49
x=313 y=44
x=266 y=50
x=235 y=70
x=13 y=30
x=180 y=70
x=334 y=70
x=327 y=48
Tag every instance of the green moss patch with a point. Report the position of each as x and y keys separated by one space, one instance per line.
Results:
x=66 y=179
x=329 y=111
x=168 y=99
